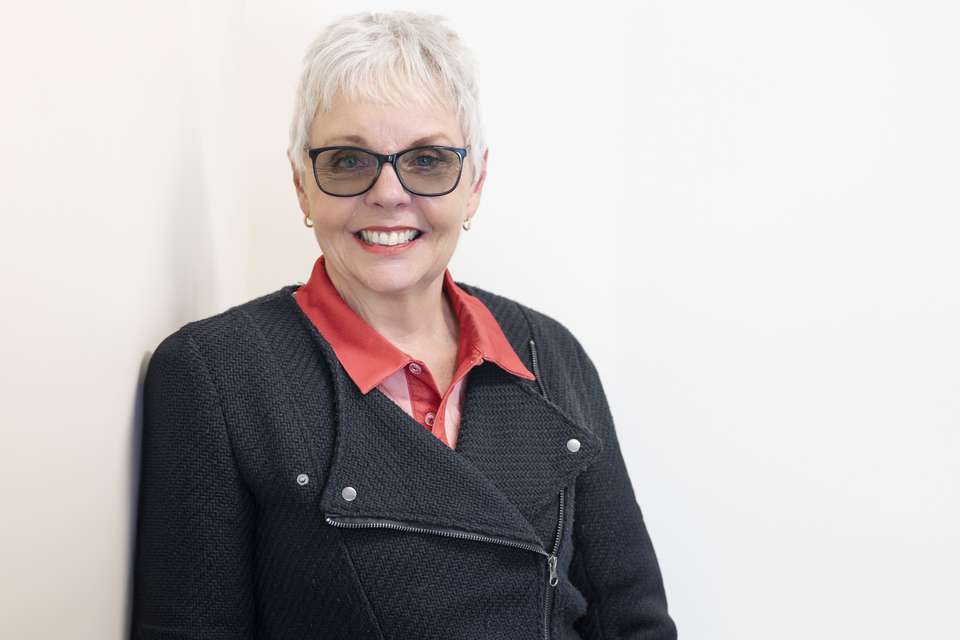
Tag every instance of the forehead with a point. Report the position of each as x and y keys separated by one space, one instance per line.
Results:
x=385 y=127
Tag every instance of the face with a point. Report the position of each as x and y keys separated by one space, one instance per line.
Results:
x=338 y=221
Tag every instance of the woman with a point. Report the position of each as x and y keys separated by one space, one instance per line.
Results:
x=383 y=452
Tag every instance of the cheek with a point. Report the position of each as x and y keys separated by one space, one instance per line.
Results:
x=447 y=217
x=332 y=216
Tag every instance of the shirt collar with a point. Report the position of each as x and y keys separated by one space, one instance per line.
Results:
x=369 y=358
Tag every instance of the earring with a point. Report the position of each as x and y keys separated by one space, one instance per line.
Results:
x=307 y=222
x=466 y=224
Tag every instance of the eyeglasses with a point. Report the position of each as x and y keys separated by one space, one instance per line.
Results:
x=423 y=171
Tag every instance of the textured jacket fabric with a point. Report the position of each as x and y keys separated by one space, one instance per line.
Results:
x=278 y=502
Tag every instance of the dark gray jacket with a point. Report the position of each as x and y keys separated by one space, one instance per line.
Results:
x=278 y=502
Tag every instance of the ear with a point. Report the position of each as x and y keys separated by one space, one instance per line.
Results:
x=301 y=193
x=477 y=188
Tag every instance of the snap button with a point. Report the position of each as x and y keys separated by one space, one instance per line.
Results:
x=429 y=418
x=414 y=368
x=303 y=479
x=573 y=445
x=348 y=493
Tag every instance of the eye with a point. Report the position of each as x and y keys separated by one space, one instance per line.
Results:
x=346 y=161
x=426 y=161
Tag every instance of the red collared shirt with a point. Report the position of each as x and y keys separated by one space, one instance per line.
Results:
x=372 y=361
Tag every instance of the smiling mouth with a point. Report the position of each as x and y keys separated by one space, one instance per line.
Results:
x=388 y=239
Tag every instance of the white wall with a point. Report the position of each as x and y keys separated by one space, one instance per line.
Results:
x=768 y=284
x=119 y=224
x=793 y=278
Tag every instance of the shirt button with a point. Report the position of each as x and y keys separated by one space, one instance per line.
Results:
x=429 y=418
x=414 y=368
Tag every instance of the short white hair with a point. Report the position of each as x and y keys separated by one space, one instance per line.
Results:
x=400 y=58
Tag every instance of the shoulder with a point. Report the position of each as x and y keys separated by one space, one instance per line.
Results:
x=510 y=311
x=551 y=335
x=239 y=328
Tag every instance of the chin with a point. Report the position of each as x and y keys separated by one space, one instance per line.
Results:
x=390 y=279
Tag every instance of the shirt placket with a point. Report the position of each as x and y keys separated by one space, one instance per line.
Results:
x=425 y=399
x=429 y=407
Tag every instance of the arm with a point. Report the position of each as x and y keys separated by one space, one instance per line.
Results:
x=193 y=569
x=614 y=563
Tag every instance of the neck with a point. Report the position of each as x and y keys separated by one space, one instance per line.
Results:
x=413 y=317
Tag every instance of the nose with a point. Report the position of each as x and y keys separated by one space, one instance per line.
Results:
x=387 y=191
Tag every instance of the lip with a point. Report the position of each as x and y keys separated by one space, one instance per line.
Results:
x=384 y=250
x=388 y=229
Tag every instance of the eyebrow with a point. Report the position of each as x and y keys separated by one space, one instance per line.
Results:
x=361 y=141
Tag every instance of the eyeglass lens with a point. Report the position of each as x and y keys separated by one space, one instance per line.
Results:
x=426 y=170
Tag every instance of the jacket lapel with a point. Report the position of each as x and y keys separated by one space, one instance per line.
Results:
x=511 y=456
x=518 y=439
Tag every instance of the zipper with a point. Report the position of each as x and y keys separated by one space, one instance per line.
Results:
x=351 y=522
x=536 y=367
x=552 y=566
x=552 y=579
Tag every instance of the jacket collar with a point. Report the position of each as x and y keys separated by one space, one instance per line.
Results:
x=511 y=458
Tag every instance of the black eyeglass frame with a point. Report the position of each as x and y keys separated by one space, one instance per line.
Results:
x=383 y=158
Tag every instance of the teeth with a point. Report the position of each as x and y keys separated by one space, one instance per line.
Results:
x=389 y=239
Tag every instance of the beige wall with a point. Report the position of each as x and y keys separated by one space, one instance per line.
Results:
x=119 y=225
x=768 y=282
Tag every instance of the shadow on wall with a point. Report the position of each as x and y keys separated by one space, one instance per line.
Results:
x=136 y=421
x=190 y=290
x=192 y=263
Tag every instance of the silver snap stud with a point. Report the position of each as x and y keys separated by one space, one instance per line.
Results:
x=414 y=368
x=348 y=493
x=303 y=479
x=573 y=445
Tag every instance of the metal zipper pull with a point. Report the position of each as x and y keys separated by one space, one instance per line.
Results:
x=552 y=561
